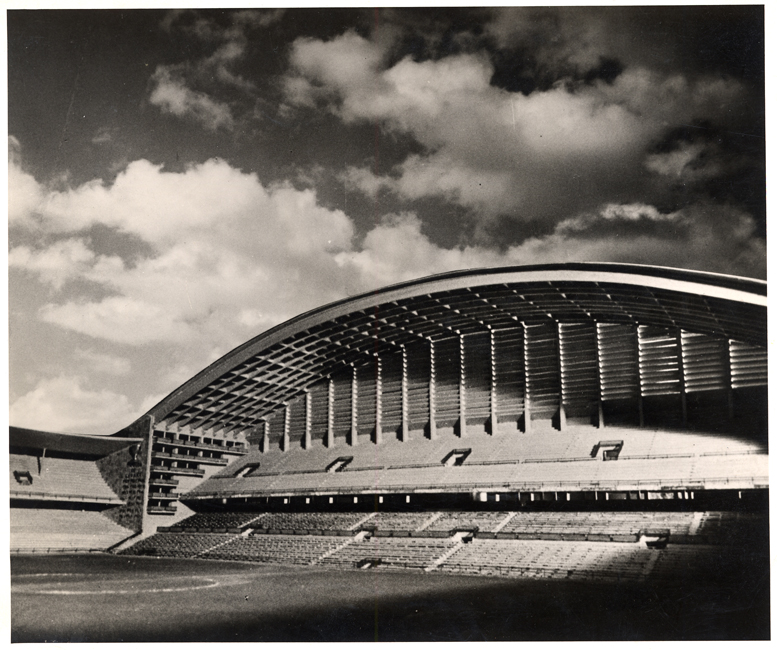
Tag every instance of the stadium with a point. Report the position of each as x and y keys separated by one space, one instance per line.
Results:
x=555 y=452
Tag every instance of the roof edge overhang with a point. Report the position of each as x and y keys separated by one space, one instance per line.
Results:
x=714 y=285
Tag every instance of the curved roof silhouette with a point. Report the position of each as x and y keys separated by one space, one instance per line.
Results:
x=237 y=392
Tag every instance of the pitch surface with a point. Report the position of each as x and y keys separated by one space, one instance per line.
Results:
x=114 y=599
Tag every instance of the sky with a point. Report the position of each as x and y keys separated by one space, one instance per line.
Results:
x=180 y=181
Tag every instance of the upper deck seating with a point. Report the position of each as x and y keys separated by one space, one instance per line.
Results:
x=66 y=530
x=533 y=460
x=60 y=478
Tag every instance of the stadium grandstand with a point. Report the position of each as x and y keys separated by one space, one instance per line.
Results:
x=572 y=421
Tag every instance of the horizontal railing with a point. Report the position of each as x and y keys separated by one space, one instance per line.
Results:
x=54 y=496
x=663 y=485
x=204 y=446
x=471 y=463
x=208 y=460
x=183 y=471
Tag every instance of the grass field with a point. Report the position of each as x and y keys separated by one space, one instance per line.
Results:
x=91 y=598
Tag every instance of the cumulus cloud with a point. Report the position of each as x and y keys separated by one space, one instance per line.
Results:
x=541 y=156
x=221 y=242
x=64 y=404
x=225 y=257
x=190 y=88
x=173 y=96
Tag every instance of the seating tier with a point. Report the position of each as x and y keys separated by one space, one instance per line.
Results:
x=60 y=478
x=393 y=552
x=34 y=529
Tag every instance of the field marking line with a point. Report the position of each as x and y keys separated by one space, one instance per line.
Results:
x=77 y=592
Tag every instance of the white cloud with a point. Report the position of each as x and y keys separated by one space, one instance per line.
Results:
x=543 y=156
x=108 y=364
x=189 y=89
x=24 y=193
x=173 y=96
x=63 y=404
x=228 y=258
x=62 y=261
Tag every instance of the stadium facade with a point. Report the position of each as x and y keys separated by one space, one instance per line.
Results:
x=483 y=405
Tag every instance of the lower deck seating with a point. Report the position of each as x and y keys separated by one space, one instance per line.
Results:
x=51 y=529
x=218 y=520
x=399 y=521
x=484 y=521
x=179 y=544
x=276 y=549
x=597 y=526
x=310 y=520
x=549 y=559
x=729 y=527
x=409 y=553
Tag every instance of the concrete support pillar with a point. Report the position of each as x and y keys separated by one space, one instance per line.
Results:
x=432 y=405
x=730 y=382
x=330 y=420
x=640 y=403
x=286 y=424
x=600 y=422
x=265 y=436
x=308 y=419
x=378 y=400
x=462 y=390
x=562 y=414
x=404 y=433
x=681 y=367
x=526 y=392
x=354 y=414
x=494 y=420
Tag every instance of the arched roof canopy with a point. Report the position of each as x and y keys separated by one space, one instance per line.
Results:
x=243 y=387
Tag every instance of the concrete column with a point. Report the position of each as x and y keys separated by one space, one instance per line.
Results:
x=330 y=420
x=308 y=419
x=378 y=400
x=432 y=406
x=462 y=390
x=354 y=414
x=265 y=436
x=639 y=371
x=562 y=414
x=404 y=433
x=526 y=395
x=599 y=379
x=681 y=366
x=286 y=424
x=494 y=421
x=730 y=384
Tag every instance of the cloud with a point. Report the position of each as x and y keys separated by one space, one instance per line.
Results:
x=24 y=193
x=542 y=156
x=189 y=89
x=62 y=261
x=107 y=364
x=224 y=257
x=104 y=135
x=218 y=243
x=174 y=97
x=65 y=405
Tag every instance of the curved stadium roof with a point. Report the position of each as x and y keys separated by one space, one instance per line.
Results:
x=239 y=391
